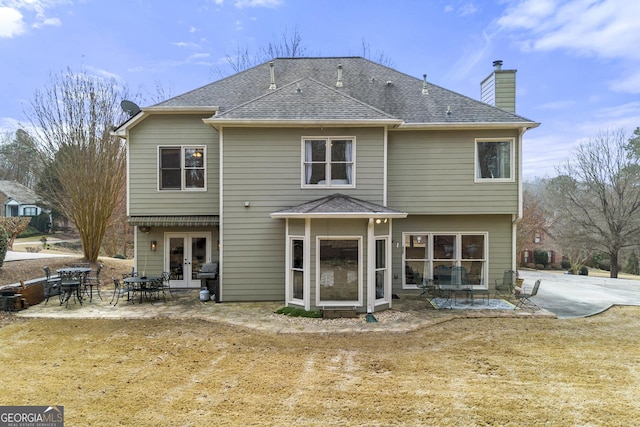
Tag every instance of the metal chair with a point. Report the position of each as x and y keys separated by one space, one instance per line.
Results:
x=524 y=299
x=504 y=288
x=91 y=281
x=119 y=290
x=52 y=284
x=166 y=282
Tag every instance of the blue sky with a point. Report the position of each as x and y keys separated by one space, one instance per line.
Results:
x=578 y=61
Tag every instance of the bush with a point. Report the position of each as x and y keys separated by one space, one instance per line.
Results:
x=531 y=265
x=119 y=256
x=558 y=266
x=298 y=312
x=605 y=264
x=565 y=264
x=584 y=271
x=539 y=266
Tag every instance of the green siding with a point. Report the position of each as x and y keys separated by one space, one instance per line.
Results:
x=143 y=195
x=433 y=173
x=263 y=167
x=498 y=227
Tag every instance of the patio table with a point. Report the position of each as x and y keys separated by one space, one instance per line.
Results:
x=71 y=283
x=140 y=284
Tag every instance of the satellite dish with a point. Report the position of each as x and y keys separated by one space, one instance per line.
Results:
x=130 y=108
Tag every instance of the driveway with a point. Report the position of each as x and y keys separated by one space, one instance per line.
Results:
x=570 y=296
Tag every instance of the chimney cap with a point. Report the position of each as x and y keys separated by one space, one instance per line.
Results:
x=497 y=64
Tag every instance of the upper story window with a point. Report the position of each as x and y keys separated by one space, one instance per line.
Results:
x=494 y=159
x=328 y=162
x=182 y=168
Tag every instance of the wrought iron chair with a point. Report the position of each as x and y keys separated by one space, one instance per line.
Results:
x=504 y=288
x=524 y=299
x=93 y=281
x=52 y=284
x=118 y=290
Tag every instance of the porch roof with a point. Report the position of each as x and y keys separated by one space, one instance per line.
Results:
x=339 y=206
x=173 y=220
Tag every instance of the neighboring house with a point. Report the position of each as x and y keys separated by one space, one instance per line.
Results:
x=541 y=241
x=18 y=200
x=326 y=182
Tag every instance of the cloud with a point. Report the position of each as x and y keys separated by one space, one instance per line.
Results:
x=240 y=4
x=628 y=84
x=11 y=22
x=603 y=28
x=15 y=15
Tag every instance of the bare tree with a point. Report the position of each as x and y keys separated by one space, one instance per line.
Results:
x=379 y=57
x=289 y=46
x=598 y=197
x=83 y=164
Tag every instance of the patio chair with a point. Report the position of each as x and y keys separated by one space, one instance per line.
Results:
x=504 y=288
x=166 y=282
x=92 y=280
x=51 y=285
x=119 y=289
x=524 y=299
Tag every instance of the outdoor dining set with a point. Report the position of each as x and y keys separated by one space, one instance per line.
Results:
x=449 y=283
x=80 y=281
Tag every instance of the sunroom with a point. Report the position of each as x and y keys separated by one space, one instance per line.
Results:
x=338 y=254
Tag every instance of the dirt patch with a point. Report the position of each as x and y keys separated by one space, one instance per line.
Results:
x=469 y=372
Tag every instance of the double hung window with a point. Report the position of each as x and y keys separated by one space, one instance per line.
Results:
x=494 y=159
x=182 y=168
x=328 y=162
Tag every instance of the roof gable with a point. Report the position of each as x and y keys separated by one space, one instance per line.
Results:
x=305 y=100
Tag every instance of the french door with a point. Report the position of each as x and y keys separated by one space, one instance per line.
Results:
x=185 y=254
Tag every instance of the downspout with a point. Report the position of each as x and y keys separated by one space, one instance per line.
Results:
x=221 y=214
x=287 y=263
x=306 y=259
x=516 y=218
x=384 y=167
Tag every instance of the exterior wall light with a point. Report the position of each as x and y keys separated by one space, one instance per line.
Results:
x=154 y=246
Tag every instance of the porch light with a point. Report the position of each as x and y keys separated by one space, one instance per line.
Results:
x=154 y=246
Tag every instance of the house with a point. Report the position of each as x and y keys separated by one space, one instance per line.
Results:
x=326 y=182
x=18 y=200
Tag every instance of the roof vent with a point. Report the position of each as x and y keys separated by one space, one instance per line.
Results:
x=497 y=65
x=339 y=82
x=272 y=85
x=425 y=91
x=298 y=90
x=449 y=111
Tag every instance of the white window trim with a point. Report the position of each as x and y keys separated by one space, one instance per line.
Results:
x=303 y=183
x=511 y=160
x=291 y=269
x=329 y=303
x=182 y=168
x=386 y=269
x=458 y=255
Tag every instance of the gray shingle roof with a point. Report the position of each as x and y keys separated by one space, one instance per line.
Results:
x=18 y=192
x=369 y=90
x=339 y=204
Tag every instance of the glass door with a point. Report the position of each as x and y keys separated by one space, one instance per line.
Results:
x=185 y=255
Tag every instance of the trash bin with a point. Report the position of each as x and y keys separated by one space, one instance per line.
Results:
x=209 y=275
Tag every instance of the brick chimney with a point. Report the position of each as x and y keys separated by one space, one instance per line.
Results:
x=499 y=88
